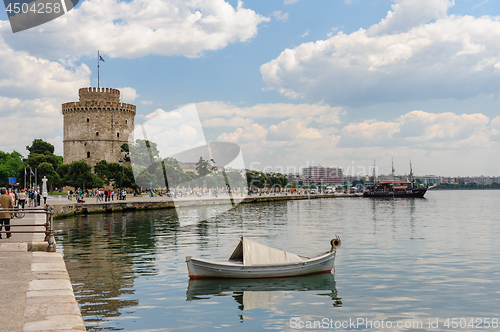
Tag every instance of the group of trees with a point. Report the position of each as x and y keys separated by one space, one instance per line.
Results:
x=148 y=167
x=78 y=174
x=260 y=180
x=472 y=185
x=144 y=165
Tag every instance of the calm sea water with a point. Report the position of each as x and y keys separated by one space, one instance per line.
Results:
x=403 y=261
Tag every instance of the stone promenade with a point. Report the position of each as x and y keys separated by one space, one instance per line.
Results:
x=35 y=289
x=65 y=207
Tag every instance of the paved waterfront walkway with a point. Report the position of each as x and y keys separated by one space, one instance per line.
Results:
x=63 y=200
x=35 y=289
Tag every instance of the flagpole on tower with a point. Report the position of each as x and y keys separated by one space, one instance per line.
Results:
x=98 y=69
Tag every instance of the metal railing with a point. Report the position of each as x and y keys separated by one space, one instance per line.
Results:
x=49 y=222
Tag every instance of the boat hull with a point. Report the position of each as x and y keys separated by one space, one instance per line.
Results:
x=418 y=193
x=206 y=269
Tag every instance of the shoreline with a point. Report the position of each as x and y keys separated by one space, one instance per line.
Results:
x=71 y=208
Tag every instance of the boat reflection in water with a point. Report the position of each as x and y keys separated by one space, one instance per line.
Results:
x=261 y=293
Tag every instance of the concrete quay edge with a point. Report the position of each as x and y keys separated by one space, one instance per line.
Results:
x=68 y=209
x=35 y=286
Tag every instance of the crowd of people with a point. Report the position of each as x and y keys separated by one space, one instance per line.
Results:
x=99 y=195
x=25 y=197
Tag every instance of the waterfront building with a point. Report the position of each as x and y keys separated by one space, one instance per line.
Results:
x=96 y=126
x=322 y=175
x=188 y=166
x=294 y=178
x=430 y=179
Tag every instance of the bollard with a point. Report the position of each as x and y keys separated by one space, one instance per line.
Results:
x=52 y=242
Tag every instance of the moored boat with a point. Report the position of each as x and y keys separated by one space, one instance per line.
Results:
x=254 y=260
x=394 y=188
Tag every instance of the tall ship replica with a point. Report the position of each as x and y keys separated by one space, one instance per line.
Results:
x=394 y=188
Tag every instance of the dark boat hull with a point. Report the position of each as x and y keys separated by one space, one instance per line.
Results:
x=416 y=193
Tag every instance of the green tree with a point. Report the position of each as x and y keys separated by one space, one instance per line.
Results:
x=41 y=152
x=80 y=176
x=128 y=179
x=63 y=171
x=39 y=146
x=202 y=167
x=101 y=171
x=141 y=153
x=11 y=165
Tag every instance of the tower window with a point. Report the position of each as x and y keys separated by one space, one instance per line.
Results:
x=88 y=120
x=126 y=121
x=97 y=133
x=84 y=144
x=88 y=154
x=117 y=134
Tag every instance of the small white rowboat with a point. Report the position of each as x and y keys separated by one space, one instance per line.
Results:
x=254 y=260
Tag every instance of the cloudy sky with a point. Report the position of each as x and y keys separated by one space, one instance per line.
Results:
x=293 y=82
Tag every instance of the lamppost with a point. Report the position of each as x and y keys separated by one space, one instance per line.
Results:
x=216 y=182
x=242 y=182
x=175 y=181
x=120 y=162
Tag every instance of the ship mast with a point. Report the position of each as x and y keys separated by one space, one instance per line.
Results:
x=411 y=174
x=392 y=172
x=374 y=173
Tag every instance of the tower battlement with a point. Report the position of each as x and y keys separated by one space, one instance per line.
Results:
x=93 y=93
x=100 y=104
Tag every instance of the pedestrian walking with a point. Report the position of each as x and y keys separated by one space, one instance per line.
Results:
x=5 y=203
x=22 y=199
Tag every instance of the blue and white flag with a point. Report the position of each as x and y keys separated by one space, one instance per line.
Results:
x=101 y=59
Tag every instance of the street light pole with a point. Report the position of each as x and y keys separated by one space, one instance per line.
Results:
x=175 y=182
x=120 y=162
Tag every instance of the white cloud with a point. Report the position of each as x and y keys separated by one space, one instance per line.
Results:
x=305 y=34
x=289 y=2
x=279 y=16
x=23 y=121
x=332 y=31
x=146 y=102
x=292 y=129
x=418 y=129
x=127 y=94
x=407 y=14
x=154 y=114
x=214 y=109
x=452 y=57
x=436 y=142
x=23 y=75
x=232 y=122
x=136 y=28
x=31 y=93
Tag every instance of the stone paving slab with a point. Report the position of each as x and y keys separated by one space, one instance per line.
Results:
x=51 y=309
x=15 y=275
x=49 y=293
x=49 y=267
x=51 y=284
x=57 y=322
x=22 y=247
x=51 y=275
x=55 y=299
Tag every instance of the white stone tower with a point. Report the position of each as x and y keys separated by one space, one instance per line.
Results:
x=96 y=126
